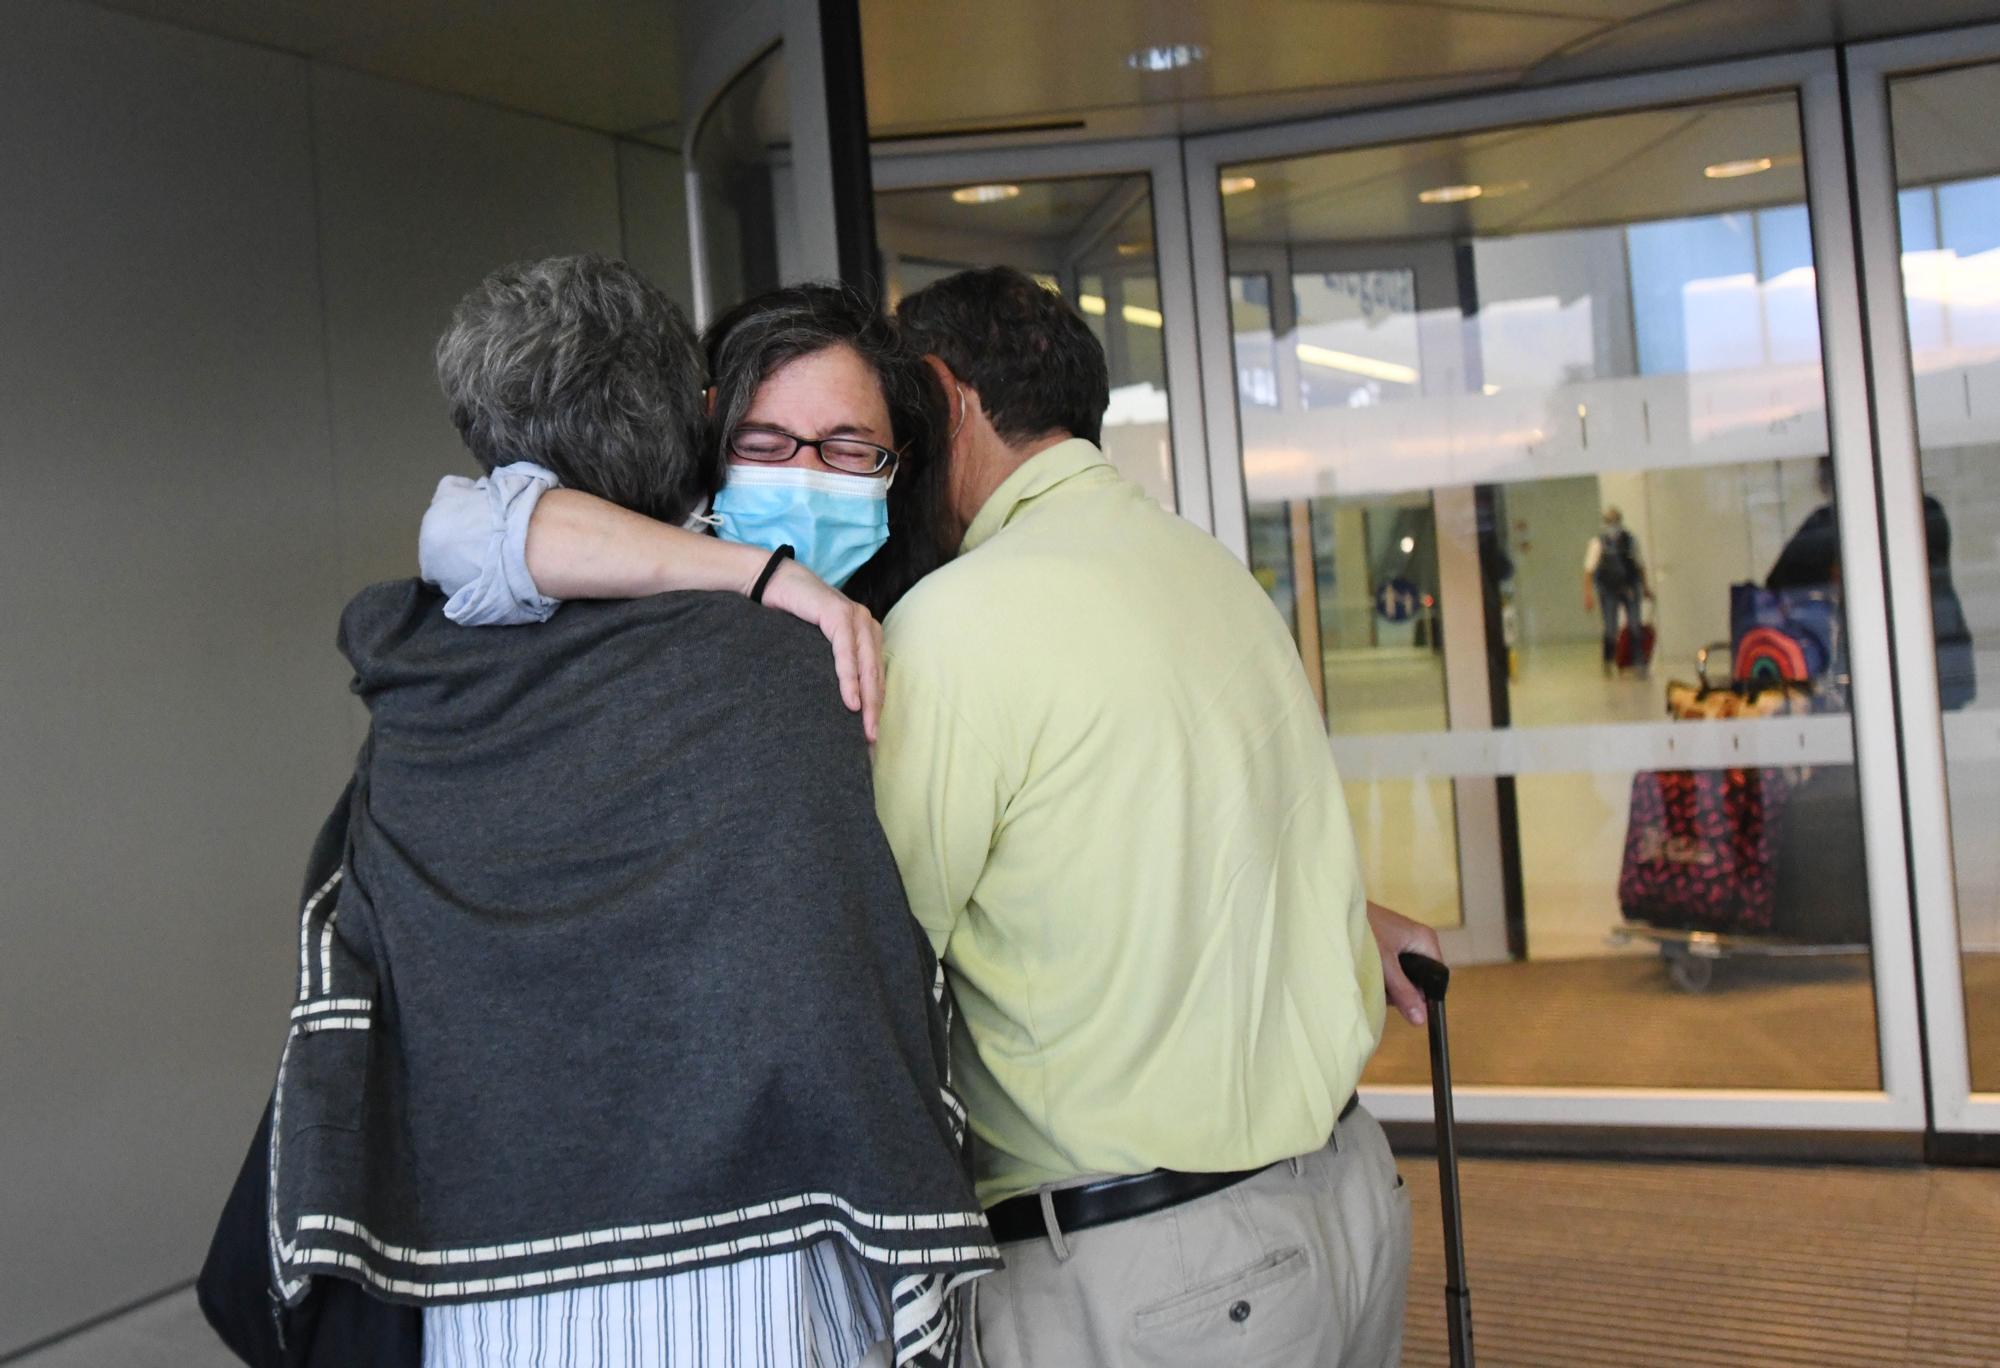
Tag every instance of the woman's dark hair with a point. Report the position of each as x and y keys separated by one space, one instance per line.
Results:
x=747 y=344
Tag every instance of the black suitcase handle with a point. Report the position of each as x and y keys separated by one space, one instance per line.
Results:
x=1432 y=979
x=1431 y=976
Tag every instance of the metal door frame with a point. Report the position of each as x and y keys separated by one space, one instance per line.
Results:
x=1870 y=67
x=1159 y=159
x=1814 y=79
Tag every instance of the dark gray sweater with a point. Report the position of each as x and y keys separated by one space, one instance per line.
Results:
x=617 y=978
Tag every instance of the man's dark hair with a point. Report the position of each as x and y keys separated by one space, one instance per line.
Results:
x=760 y=335
x=1030 y=356
x=578 y=363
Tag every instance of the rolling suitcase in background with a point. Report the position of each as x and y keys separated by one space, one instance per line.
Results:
x=1431 y=979
x=1634 y=650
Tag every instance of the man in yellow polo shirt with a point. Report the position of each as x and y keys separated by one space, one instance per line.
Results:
x=1110 y=794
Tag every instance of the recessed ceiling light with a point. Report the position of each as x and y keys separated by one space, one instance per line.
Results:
x=1167 y=57
x=1329 y=359
x=1730 y=170
x=1091 y=304
x=1236 y=185
x=984 y=194
x=1450 y=194
x=1135 y=249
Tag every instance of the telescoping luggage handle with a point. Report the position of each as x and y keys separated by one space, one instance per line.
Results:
x=1431 y=979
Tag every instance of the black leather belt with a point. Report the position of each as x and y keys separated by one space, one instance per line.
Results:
x=1114 y=1199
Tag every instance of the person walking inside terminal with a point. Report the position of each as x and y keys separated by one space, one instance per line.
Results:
x=1614 y=581
x=1109 y=792
x=613 y=1026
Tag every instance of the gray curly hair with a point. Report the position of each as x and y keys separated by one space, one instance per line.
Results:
x=578 y=363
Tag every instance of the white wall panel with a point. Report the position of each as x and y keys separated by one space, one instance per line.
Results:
x=222 y=272
x=170 y=705
x=421 y=195
x=652 y=186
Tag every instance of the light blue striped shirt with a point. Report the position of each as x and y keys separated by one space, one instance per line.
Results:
x=806 y=1308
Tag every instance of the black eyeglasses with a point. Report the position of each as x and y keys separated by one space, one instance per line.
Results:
x=772 y=445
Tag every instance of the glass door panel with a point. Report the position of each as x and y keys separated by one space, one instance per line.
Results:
x=1511 y=404
x=1947 y=161
x=1090 y=238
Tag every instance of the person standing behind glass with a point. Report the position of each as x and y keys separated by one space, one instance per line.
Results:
x=1614 y=579
x=1811 y=560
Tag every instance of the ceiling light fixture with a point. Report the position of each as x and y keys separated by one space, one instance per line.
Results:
x=1326 y=358
x=985 y=194
x=1450 y=194
x=1135 y=249
x=1137 y=315
x=1730 y=170
x=1167 y=57
x=1236 y=185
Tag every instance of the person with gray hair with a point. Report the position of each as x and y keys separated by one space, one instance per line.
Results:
x=581 y=364
x=615 y=1041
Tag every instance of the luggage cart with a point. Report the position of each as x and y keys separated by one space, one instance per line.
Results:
x=1691 y=954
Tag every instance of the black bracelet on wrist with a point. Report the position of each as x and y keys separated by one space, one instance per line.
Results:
x=778 y=557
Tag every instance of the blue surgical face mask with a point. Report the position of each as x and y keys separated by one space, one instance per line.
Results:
x=834 y=523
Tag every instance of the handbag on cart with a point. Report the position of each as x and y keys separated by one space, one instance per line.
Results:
x=1794 y=636
x=1702 y=846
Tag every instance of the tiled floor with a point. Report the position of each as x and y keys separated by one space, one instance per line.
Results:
x=167 y=1333
x=1603 y=1264
x=1619 y=1264
x=1618 y=1023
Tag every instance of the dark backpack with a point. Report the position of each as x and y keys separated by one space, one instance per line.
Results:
x=1617 y=567
x=338 y=1324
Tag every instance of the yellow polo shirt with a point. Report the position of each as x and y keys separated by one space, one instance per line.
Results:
x=1111 y=796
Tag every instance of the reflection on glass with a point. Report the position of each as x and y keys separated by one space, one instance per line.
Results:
x=1514 y=404
x=1948 y=174
x=1089 y=238
x=1399 y=824
x=749 y=221
x=1573 y=1018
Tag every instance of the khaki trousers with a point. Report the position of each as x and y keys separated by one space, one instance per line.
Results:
x=1302 y=1266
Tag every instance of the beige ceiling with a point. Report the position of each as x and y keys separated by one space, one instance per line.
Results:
x=1087 y=223
x=935 y=67
x=1042 y=209
x=944 y=66
x=612 y=65
x=1945 y=125
x=1626 y=168
x=1618 y=169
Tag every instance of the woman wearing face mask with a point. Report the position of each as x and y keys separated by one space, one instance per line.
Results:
x=834 y=436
